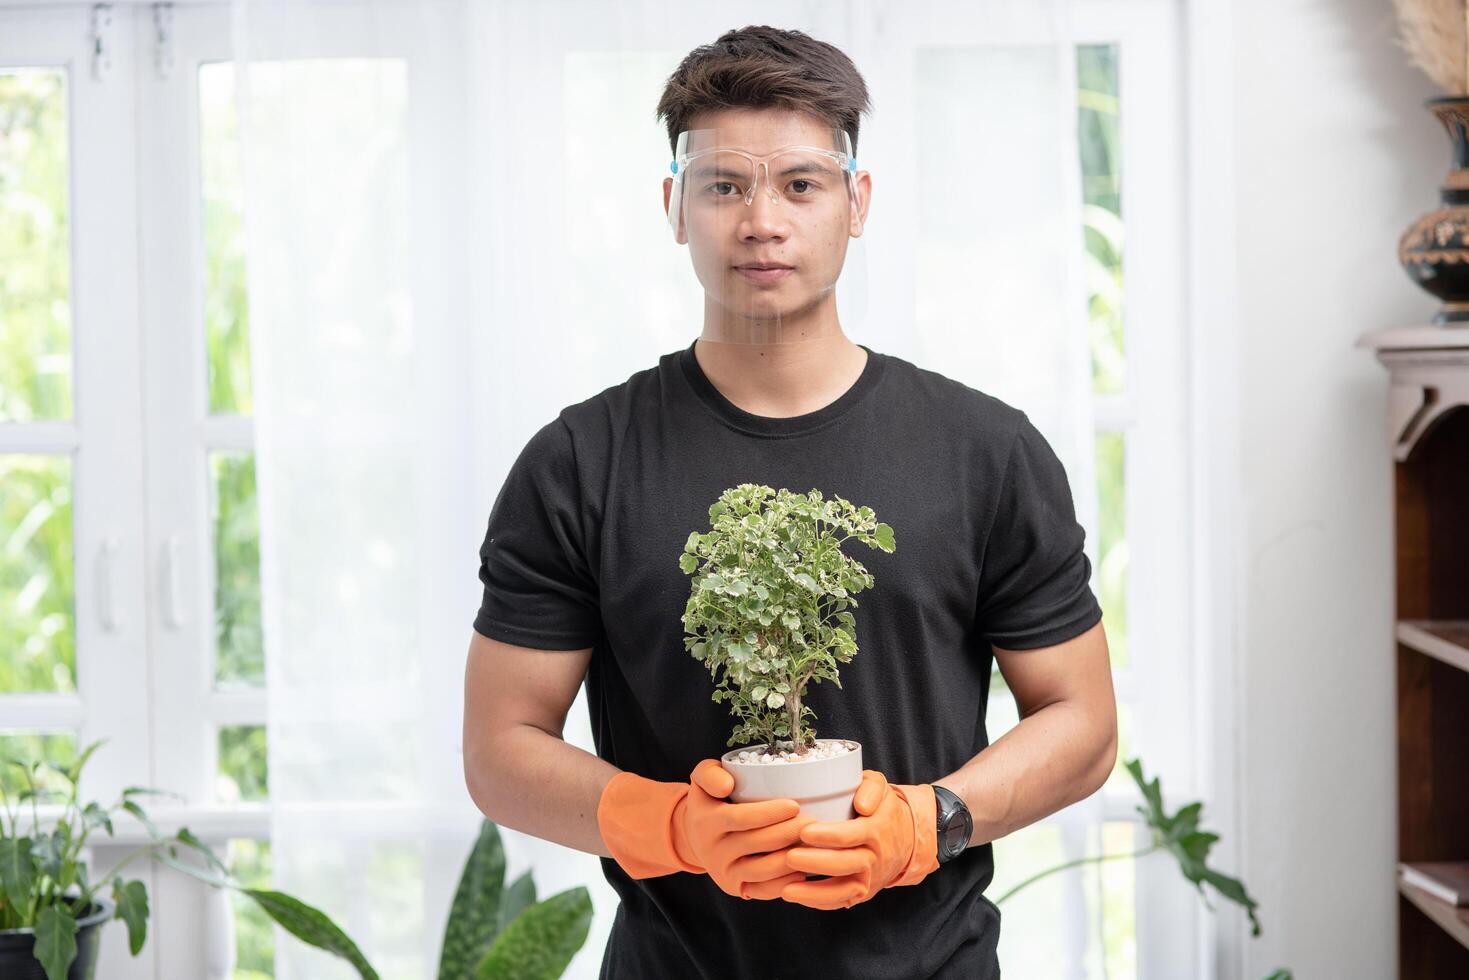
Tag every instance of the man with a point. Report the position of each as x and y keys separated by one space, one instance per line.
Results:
x=581 y=556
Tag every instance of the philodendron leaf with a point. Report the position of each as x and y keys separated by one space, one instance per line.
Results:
x=95 y=815
x=1179 y=833
x=187 y=836
x=17 y=870
x=311 y=926
x=132 y=908
x=132 y=807
x=474 y=918
x=518 y=897
x=173 y=861
x=56 y=940
x=74 y=773
x=541 y=941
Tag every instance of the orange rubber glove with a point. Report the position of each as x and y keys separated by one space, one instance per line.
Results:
x=892 y=841
x=657 y=828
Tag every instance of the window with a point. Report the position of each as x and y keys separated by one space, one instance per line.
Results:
x=130 y=584
x=1120 y=917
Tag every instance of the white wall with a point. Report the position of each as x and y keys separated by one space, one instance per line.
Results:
x=1333 y=156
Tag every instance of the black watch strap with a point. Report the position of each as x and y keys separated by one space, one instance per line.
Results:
x=955 y=823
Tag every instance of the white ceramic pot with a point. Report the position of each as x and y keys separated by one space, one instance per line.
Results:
x=823 y=786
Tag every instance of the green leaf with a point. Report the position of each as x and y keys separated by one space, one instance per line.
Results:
x=17 y=870
x=187 y=837
x=474 y=918
x=132 y=807
x=132 y=908
x=75 y=772
x=311 y=926
x=518 y=897
x=541 y=941
x=95 y=815
x=688 y=563
x=807 y=581
x=884 y=536
x=192 y=871
x=56 y=944
x=1190 y=846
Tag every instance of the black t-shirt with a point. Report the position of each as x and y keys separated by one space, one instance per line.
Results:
x=582 y=551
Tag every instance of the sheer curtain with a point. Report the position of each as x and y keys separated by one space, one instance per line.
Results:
x=454 y=228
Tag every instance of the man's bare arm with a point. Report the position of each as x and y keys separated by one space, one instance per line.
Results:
x=1062 y=750
x=520 y=772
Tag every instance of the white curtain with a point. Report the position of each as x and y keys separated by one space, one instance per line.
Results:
x=454 y=228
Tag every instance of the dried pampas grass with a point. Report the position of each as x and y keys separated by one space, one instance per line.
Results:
x=1435 y=33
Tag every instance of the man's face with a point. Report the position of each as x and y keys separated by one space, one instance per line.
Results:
x=805 y=227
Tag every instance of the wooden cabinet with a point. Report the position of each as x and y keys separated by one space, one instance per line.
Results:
x=1428 y=432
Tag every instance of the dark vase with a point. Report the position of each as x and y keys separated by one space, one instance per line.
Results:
x=17 y=947
x=1435 y=248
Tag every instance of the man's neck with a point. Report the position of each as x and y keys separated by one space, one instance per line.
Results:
x=781 y=380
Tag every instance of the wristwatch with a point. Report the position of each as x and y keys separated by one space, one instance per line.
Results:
x=955 y=823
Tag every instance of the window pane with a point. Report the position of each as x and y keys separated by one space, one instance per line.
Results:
x=226 y=319
x=35 y=266
x=1112 y=541
x=242 y=771
x=239 y=653
x=28 y=747
x=37 y=596
x=249 y=861
x=1119 y=899
x=1099 y=142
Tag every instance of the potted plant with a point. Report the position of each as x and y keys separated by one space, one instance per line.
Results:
x=51 y=914
x=768 y=614
x=1180 y=835
x=500 y=932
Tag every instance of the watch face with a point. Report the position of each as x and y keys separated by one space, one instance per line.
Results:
x=954 y=837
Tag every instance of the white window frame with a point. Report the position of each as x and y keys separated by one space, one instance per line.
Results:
x=1152 y=415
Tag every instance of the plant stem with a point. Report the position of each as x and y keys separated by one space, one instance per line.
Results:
x=1097 y=858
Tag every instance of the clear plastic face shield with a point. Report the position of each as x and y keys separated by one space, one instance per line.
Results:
x=768 y=211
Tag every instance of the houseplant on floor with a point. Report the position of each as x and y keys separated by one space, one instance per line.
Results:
x=51 y=914
x=768 y=614
x=1180 y=835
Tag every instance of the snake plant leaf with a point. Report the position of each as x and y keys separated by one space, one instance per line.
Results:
x=474 y=918
x=56 y=940
x=311 y=926
x=518 y=897
x=541 y=941
x=132 y=908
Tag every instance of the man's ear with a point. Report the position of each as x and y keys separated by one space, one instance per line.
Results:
x=679 y=234
x=863 y=181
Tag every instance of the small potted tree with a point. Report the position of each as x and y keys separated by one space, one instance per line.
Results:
x=768 y=614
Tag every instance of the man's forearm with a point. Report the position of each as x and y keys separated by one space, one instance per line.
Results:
x=544 y=786
x=1054 y=757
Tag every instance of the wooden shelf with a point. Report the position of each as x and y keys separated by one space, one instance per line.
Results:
x=1428 y=436
x=1451 y=919
x=1446 y=639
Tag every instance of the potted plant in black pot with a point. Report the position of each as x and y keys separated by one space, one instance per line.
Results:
x=768 y=614
x=52 y=914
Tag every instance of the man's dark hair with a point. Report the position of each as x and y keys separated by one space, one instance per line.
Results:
x=765 y=67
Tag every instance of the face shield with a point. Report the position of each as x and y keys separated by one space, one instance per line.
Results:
x=768 y=230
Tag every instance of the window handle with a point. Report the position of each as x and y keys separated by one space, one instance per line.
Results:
x=106 y=584
x=173 y=615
